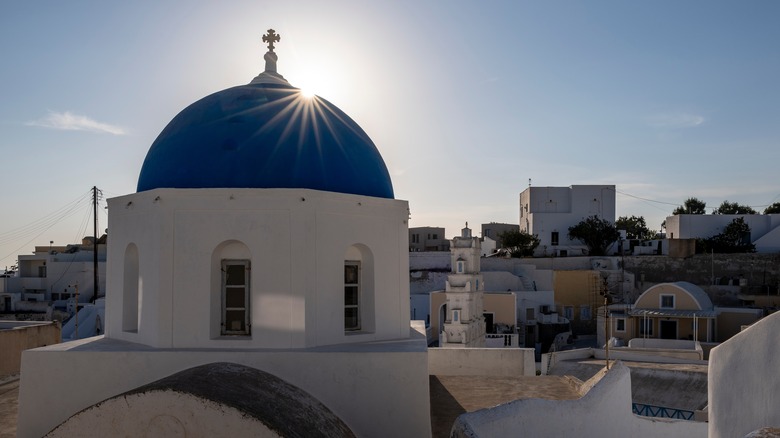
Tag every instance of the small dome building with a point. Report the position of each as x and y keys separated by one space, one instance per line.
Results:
x=254 y=206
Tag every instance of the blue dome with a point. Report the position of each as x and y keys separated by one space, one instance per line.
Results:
x=265 y=135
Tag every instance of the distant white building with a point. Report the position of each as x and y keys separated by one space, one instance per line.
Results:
x=494 y=230
x=764 y=228
x=548 y=212
x=487 y=247
x=54 y=275
x=428 y=239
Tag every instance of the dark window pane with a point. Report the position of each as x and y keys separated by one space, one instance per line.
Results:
x=351 y=319
x=234 y=321
x=350 y=295
x=235 y=297
x=235 y=275
x=350 y=274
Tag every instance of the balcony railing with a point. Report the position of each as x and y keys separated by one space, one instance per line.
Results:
x=660 y=411
x=501 y=340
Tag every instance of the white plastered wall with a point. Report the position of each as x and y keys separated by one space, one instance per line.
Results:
x=742 y=383
x=297 y=240
x=140 y=415
x=603 y=411
x=377 y=389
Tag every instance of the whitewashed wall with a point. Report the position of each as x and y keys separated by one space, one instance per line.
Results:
x=604 y=411
x=481 y=362
x=743 y=384
x=378 y=390
x=429 y=260
x=297 y=241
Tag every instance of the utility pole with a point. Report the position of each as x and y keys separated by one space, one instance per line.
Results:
x=604 y=277
x=76 y=331
x=95 y=243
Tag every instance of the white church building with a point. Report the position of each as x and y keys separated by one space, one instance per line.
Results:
x=264 y=233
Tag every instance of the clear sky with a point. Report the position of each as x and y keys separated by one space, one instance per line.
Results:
x=465 y=100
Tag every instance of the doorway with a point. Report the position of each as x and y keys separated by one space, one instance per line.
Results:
x=489 y=322
x=668 y=329
x=442 y=318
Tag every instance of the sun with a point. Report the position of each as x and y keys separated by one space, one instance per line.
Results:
x=308 y=93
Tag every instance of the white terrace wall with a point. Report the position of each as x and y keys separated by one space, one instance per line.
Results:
x=650 y=355
x=17 y=336
x=676 y=344
x=378 y=391
x=656 y=355
x=550 y=359
x=429 y=260
x=603 y=411
x=481 y=362
x=743 y=386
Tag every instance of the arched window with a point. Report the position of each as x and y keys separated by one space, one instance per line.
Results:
x=231 y=313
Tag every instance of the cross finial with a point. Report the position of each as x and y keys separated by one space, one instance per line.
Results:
x=270 y=74
x=271 y=38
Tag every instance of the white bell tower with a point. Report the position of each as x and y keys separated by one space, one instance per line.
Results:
x=464 y=325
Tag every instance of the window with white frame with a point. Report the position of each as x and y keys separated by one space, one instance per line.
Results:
x=235 y=297
x=620 y=324
x=585 y=312
x=568 y=312
x=351 y=295
x=667 y=301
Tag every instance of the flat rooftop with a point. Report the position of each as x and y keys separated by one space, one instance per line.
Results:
x=455 y=395
x=671 y=385
x=9 y=405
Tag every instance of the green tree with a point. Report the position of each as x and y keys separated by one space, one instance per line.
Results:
x=519 y=243
x=635 y=227
x=734 y=238
x=595 y=233
x=773 y=209
x=691 y=206
x=733 y=208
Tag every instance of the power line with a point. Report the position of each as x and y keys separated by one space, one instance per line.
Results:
x=646 y=199
x=40 y=226
x=679 y=204
x=45 y=222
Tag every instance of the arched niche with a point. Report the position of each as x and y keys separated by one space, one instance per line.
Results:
x=132 y=286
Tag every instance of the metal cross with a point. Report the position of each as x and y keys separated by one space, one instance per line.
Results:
x=271 y=38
